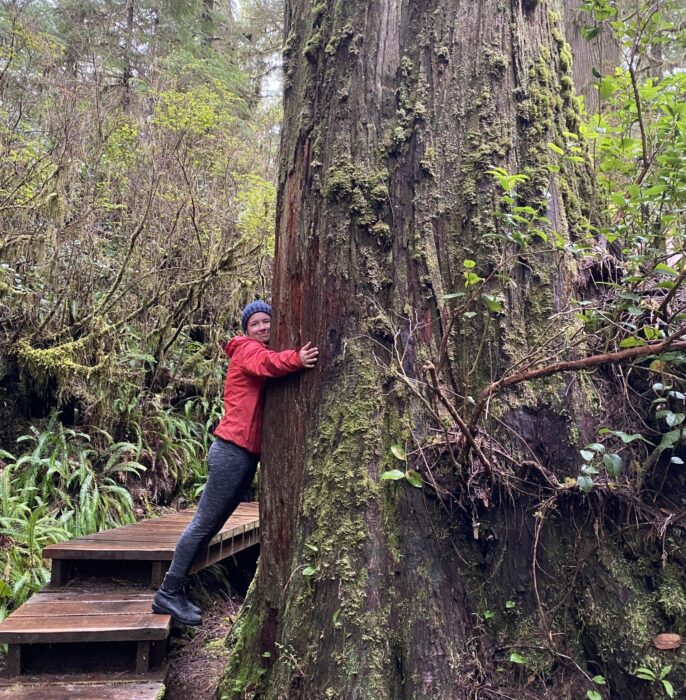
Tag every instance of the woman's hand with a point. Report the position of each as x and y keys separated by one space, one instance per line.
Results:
x=309 y=355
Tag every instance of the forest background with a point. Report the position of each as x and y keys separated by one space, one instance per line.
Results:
x=137 y=188
x=137 y=147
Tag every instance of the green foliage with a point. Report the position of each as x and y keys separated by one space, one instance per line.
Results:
x=635 y=145
x=67 y=483
x=61 y=487
x=412 y=476
x=517 y=658
x=136 y=181
x=256 y=201
x=659 y=676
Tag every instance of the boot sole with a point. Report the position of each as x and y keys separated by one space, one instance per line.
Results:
x=163 y=611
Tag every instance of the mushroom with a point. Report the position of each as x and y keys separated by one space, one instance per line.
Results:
x=667 y=640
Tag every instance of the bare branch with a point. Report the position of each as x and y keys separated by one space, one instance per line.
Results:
x=608 y=358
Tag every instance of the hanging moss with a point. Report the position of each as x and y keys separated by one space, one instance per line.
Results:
x=60 y=362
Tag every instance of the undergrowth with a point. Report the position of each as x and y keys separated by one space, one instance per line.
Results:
x=64 y=482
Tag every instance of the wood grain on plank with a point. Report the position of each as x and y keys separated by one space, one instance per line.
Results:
x=75 y=593
x=81 y=628
x=84 y=607
x=83 y=691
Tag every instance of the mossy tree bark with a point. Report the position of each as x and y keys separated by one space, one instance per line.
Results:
x=368 y=588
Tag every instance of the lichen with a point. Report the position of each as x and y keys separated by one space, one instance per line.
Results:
x=318 y=10
x=442 y=54
x=339 y=180
x=382 y=231
x=496 y=62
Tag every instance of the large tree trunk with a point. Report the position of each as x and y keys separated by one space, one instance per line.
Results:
x=372 y=588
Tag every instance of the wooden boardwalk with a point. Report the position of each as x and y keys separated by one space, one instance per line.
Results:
x=69 y=628
x=152 y=542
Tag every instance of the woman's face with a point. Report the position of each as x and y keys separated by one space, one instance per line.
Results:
x=258 y=327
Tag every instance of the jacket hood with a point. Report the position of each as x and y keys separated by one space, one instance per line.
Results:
x=237 y=342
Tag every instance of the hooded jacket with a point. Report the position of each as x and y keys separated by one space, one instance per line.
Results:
x=251 y=362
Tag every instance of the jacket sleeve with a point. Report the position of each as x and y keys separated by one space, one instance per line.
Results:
x=259 y=361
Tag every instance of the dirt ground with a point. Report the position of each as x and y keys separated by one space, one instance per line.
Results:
x=197 y=656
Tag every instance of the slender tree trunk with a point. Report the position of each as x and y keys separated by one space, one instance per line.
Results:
x=373 y=588
x=128 y=50
x=600 y=52
x=208 y=25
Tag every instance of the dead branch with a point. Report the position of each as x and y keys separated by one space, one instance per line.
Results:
x=608 y=358
x=469 y=437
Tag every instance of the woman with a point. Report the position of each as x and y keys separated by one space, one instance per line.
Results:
x=233 y=456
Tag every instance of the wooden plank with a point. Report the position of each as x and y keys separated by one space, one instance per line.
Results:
x=245 y=510
x=117 y=544
x=142 y=657
x=13 y=660
x=81 y=628
x=137 y=541
x=82 y=607
x=161 y=534
x=113 y=553
x=117 y=535
x=83 y=691
x=104 y=549
x=61 y=572
x=157 y=674
x=55 y=595
x=155 y=526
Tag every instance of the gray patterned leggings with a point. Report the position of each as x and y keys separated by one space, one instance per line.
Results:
x=231 y=471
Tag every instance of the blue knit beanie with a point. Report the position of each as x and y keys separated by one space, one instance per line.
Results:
x=254 y=307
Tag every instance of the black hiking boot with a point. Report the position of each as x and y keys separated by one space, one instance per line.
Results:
x=195 y=608
x=171 y=599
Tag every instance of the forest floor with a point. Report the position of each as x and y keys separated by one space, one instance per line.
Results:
x=197 y=656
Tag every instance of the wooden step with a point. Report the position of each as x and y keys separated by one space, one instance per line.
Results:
x=70 y=618
x=83 y=691
x=92 y=686
x=151 y=542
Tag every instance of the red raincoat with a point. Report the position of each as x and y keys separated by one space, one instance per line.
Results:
x=251 y=363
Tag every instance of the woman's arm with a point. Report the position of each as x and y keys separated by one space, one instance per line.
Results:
x=260 y=361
